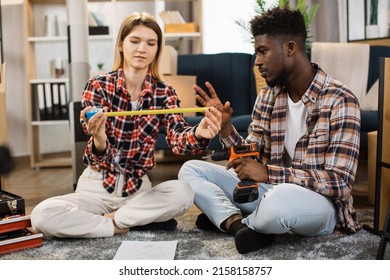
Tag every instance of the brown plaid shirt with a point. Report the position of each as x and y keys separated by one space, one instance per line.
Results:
x=326 y=156
x=135 y=137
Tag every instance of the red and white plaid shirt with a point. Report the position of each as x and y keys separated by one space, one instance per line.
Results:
x=326 y=156
x=134 y=137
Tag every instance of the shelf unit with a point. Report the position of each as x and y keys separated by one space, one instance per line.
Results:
x=38 y=46
x=38 y=49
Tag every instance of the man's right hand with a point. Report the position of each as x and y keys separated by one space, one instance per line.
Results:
x=213 y=100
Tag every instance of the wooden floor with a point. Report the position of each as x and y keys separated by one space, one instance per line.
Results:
x=35 y=185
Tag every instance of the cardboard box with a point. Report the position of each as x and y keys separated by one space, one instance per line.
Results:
x=168 y=61
x=185 y=92
x=188 y=27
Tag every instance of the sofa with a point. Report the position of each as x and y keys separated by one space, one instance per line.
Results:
x=232 y=76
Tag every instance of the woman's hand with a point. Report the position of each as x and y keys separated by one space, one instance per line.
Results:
x=210 y=125
x=96 y=128
x=213 y=101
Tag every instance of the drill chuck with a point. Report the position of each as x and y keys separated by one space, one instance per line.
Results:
x=220 y=155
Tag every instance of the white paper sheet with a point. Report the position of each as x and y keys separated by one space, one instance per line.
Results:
x=146 y=250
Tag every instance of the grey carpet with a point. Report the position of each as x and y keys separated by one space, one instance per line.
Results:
x=194 y=244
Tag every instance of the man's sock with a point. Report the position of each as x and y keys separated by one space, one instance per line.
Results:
x=203 y=222
x=248 y=240
x=167 y=225
x=235 y=227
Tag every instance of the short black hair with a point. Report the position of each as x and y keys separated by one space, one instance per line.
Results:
x=279 y=21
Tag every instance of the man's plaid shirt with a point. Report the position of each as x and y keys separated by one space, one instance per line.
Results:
x=134 y=137
x=326 y=156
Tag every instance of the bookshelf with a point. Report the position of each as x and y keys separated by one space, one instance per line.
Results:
x=43 y=49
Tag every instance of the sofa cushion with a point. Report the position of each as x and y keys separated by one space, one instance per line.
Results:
x=231 y=74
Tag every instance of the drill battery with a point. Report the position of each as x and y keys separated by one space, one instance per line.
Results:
x=245 y=191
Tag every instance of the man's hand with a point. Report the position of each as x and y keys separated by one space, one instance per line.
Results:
x=210 y=125
x=213 y=101
x=248 y=168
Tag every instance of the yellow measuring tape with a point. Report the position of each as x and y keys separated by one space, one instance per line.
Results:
x=157 y=112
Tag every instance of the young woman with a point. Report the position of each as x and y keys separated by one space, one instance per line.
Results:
x=114 y=193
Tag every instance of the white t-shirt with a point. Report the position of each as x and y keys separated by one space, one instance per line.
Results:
x=295 y=125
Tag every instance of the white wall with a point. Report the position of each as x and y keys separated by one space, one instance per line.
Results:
x=220 y=32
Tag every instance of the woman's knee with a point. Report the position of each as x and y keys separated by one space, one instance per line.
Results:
x=187 y=195
x=43 y=216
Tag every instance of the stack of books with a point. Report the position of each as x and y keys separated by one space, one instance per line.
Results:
x=15 y=234
x=174 y=22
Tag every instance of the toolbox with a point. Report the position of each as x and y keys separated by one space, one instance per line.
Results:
x=11 y=204
x=15 y=233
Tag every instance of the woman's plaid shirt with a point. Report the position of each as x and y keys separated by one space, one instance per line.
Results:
x=134 y=137
x=326 y=156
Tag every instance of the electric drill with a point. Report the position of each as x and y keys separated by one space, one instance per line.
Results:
x=245 y=191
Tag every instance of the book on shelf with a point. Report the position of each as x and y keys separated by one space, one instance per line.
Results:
x=48 y=102
x=19 y=240
x=38 y=91
x=55 y=97
x=63 y=102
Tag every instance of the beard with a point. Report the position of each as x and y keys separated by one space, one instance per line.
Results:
x=279 y=80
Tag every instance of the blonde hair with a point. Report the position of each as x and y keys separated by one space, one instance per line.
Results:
x=127 y=25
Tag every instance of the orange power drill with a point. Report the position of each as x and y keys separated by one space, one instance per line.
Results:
x=245 y=191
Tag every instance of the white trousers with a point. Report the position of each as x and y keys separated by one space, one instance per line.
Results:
x=81 y=214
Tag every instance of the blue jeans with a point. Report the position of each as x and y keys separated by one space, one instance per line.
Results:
x=279 y=208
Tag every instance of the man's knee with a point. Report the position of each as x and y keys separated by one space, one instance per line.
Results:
x=188 y=168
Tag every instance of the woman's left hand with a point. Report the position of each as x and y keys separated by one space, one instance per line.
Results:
x=210 y=125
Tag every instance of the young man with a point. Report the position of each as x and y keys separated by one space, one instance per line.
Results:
x=308 y=127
